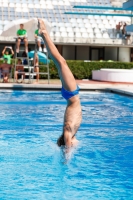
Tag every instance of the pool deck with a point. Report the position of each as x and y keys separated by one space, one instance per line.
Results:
x=85 y=85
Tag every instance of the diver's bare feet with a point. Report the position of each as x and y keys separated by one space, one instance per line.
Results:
x=42 y=27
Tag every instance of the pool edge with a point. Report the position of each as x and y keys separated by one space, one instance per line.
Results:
x=53 y=87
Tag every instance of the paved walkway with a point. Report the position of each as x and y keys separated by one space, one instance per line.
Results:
x=123 y=88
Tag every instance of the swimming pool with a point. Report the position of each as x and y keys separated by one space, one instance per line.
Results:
x=31 y=167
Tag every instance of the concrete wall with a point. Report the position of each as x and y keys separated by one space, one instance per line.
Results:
x=124 y=54
x=111 y=53
x=113 y=75
x=94 y=55
x=82 y=53
x=69 y=52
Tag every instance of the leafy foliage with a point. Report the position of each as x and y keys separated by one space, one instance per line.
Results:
x=83 y=70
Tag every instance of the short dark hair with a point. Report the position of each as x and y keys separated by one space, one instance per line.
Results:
x=60 y=141
x=20 y=60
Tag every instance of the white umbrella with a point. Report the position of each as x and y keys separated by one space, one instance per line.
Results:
x=10 y=30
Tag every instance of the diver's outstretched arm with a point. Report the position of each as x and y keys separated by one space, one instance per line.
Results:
x=66 y=76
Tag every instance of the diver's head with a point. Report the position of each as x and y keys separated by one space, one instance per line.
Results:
x=60 y=141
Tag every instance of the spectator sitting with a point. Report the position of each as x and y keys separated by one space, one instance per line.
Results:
x=5 y=70
x=125 y=34
x=6 y=54
x=22 y=37
x=19 y=70
x=118 y=29
x=39 y=40
x=124 y=30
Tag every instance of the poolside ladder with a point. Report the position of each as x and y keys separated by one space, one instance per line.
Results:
x=24 y=59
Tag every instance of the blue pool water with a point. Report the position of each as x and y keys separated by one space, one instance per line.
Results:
x=31 y=167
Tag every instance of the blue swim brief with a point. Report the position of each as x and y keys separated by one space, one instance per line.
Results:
x=69 y=94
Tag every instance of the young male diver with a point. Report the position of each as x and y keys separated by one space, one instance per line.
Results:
x=70 y=91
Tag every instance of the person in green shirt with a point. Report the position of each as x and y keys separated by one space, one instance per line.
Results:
x=6 y=54
x=39 y=40
x=22 y=37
